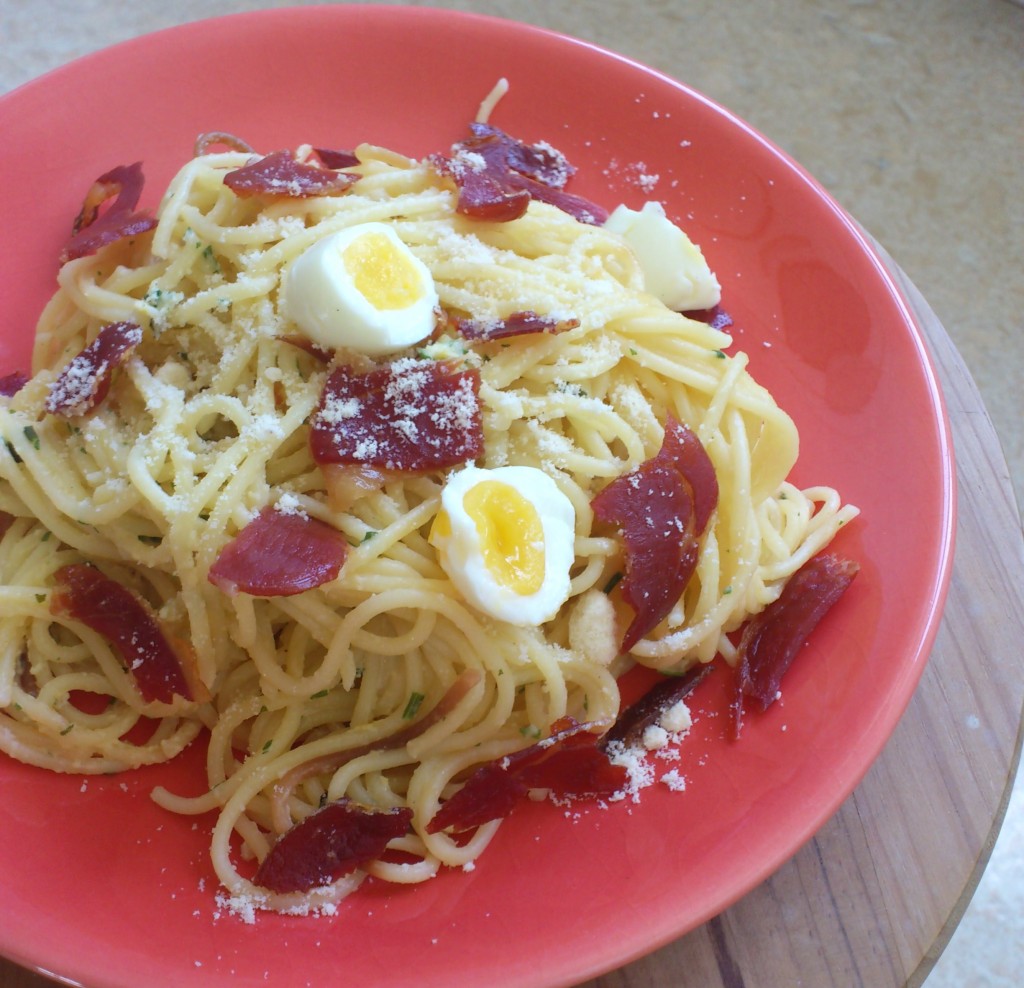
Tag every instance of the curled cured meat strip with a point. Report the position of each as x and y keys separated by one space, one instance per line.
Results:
x=85 y=381
x=212 y=138
x=653 y=508
x=516 y=324
x=280 y=175
x=329 y=844
x=716 y=317
x=411 y=416
x=279 y=554
x=161 y=668
x=683 y=450
x=661 y=509
x=630 y=725
x=93 y=230
x=497 y=176
x=346 y=483
x=570 y=763
x=304 y=343
x=336 y=157
x=771 y=639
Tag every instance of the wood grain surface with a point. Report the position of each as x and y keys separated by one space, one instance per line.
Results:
x=871 y=901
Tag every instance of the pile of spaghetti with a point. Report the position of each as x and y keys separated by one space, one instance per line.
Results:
x=217 y=524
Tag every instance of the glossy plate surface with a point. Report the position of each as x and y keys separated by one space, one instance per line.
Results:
x=99 y=886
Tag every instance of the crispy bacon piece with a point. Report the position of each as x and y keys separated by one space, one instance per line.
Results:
x=569 y=763
x=85 y=381
x=162 y=668
x=412 y=415
x=328 y=844
x=280 y=175
x=497 y=176
x=91 y=231
x=11 y=384
x=279 y=554
x=630 y=725
x=661 y=509
x=515 y=324
x=770 y=640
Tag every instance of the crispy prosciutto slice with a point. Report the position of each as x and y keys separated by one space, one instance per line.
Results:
x=91 y=231
x=569 y=763
x=497 y=176
x=661 y=509
x=85 y=381
x=11 y=384
x=162 y=668
x=413 y=415
x=328 y=844
x=771 y=639
x=279 y=554
x=515 y=324
x=280 y=175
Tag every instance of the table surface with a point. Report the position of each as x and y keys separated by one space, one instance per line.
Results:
x=874 y=897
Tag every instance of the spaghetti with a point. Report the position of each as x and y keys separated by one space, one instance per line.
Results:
x=381 y=685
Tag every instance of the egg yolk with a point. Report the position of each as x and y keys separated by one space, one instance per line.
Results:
x=384 y=276
x=511 y=536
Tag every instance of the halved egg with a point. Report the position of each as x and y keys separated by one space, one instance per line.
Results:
x=505 y=537
x=362 y=288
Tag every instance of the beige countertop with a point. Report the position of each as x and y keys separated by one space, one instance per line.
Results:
x=910 y=114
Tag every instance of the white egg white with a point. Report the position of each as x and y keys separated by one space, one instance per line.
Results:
x=321 y=297
x=461 y=554
x=674 y=268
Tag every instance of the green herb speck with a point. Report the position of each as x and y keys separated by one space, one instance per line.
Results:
x=612 y=583
x=415 y=699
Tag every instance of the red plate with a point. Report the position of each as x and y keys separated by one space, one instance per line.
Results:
x=99 y=886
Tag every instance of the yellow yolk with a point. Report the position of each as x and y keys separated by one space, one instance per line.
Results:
x=506 y=538
x=384 y=276
x=511 y=538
